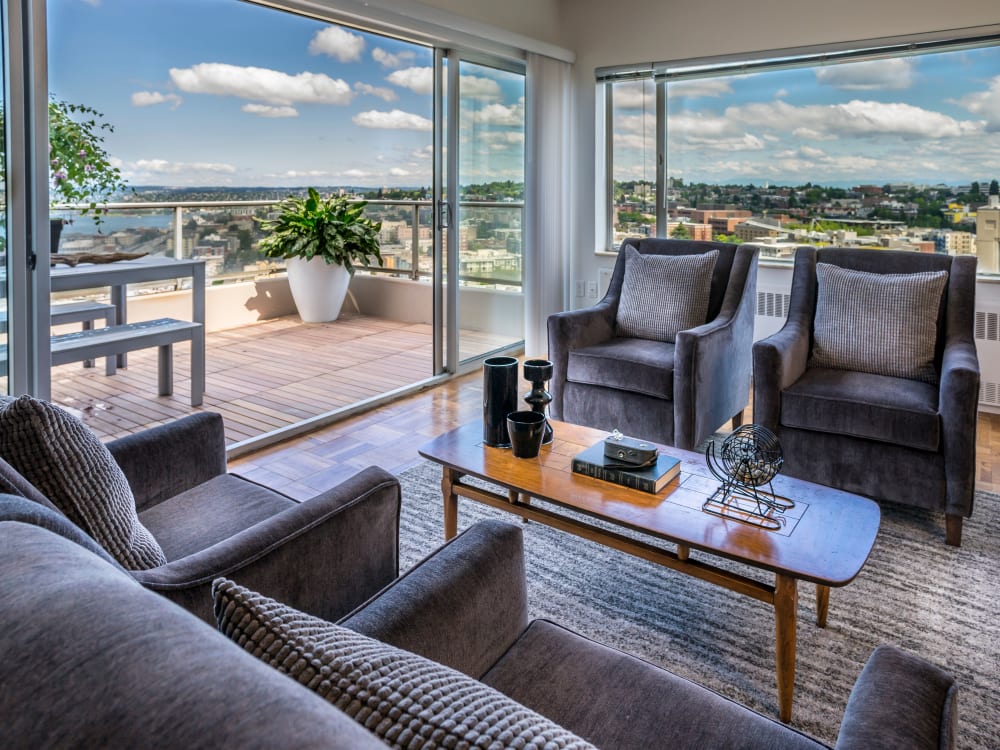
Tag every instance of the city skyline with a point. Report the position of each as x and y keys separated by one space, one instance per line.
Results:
x=923 y=119
x=216 y=93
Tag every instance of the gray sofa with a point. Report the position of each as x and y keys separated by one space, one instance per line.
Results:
x=92 y=659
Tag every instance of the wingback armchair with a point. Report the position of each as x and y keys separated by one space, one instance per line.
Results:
x=870 y=423
x=676 y=391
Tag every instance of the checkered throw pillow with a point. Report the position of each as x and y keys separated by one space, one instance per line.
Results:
x=885 y=324
x=664 y=294
x=404 y=699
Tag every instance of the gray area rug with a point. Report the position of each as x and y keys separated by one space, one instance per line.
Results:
x=915 y=592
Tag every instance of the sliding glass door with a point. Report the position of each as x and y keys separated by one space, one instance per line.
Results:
x=482 y=199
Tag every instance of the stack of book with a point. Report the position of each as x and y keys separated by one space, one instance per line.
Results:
x=593 y=463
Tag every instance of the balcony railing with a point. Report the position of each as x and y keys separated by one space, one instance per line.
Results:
x=224 y=233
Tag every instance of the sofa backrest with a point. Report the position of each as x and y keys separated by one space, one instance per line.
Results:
x=92 y=659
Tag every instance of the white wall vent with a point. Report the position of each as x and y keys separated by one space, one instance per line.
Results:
x=773 y=304
x=987 y=326
x=989 y=393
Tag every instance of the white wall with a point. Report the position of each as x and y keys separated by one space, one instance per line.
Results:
x=538 y=19
x=606 y=33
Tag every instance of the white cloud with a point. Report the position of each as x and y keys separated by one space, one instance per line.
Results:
x=392 y=60
x=744 y=142
x=381 y=92
x=149 y=98
x=394 y=120
x=478 y=87
x=500 y=114
x=356 y=173
x=334 y=41
x=895 y=74
x=504 y=138
x=417 y=80
x=399 y=172
x=299 y=173
x=986 y=104
x=634 y=95
x=261 y=84
x=424 y=153
x=700 y=87
x=164 y=167
x=267 y=110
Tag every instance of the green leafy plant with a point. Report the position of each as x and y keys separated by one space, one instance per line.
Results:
x=80 y=169
x=333 y=229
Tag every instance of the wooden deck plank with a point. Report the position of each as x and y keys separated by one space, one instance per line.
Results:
x=262 y=376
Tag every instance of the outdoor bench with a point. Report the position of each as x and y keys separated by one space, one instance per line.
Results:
x=114 y=340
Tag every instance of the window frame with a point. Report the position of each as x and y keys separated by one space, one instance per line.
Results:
x=662 y=72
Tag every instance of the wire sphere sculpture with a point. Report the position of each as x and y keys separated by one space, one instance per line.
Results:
x=748 y=460
x=751 y=455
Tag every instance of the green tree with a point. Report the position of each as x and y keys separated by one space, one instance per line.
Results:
x=80 y=168
x=681 y=232
x=994 y=187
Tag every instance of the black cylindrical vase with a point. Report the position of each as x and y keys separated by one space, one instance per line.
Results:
x=499 y=399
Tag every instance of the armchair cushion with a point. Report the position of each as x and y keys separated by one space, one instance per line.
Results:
x=885 y=324
x=210 y=513
x=627 y=364
x=56 y=452
x=875 y=407
x=664 y=294
x=405 y=699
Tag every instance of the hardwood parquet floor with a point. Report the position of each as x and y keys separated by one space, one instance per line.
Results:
x=390 y=436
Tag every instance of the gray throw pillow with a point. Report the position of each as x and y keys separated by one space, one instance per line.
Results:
x=664 y=294
x=879 y=323
x=404 y=699
x=56 y=452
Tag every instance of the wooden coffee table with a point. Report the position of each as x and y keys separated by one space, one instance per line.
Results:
x=826 y=539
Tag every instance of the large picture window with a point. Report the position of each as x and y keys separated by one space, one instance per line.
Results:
x=870 y=148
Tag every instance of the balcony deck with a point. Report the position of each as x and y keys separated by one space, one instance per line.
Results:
x=260 y=377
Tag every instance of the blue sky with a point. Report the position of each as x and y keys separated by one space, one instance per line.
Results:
x=219 y=93
x=921 y=119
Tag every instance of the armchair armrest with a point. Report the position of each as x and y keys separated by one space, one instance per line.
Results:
x=463 y=606
x=958 y=404
x=571 y=330
x=164 y=461
x=712 y=362
x=900 y=700
x=778 y=361
x=324 y=556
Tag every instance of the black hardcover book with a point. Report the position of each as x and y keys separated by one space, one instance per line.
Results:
x=593 y=463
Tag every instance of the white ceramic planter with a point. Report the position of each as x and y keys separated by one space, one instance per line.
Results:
x=318 y=288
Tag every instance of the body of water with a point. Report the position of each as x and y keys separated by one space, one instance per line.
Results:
x=117 y=222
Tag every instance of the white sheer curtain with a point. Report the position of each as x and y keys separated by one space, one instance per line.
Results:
x=545 y=260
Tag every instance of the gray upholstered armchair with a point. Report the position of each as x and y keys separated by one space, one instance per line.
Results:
x=882 y=429
x=329 y=553
x=675 y=391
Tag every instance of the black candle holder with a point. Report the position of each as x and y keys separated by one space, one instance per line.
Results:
x=538 y=372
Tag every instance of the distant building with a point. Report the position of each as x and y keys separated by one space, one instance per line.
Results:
x=697 y=231
x=988 y=235
x=755 y=229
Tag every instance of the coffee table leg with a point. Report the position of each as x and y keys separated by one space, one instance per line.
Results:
x=448 y=479
x=786 y=603
x=822 y=604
